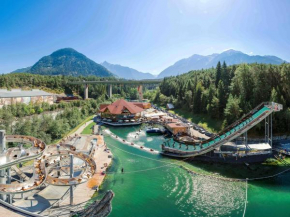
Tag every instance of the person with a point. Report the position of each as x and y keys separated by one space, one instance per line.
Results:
x=122 y=170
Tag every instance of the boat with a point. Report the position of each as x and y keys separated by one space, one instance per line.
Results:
x=154 y=131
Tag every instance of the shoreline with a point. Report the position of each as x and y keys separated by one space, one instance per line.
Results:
x=103 y=158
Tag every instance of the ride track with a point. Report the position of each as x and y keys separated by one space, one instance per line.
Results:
x=45 y=159
x=233 y=131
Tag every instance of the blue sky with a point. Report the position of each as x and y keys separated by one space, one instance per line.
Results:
x=148 y=35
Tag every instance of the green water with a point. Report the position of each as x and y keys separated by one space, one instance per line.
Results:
x=153 y=186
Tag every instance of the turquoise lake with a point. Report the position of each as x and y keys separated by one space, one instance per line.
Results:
x=153 y=185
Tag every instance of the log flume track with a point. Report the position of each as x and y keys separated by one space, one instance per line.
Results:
x=233 y=131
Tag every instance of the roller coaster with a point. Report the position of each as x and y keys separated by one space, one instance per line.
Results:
x=261 y=112
x=48 y=161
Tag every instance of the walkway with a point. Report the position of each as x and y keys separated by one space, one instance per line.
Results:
x=85 y=191
x=152 y=151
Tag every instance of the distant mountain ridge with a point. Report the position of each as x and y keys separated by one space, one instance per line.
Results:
x=26 y=69
x=126 y=72
x=68 y=61
x=231 y=57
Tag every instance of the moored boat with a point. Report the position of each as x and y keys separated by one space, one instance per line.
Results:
x=154 y=131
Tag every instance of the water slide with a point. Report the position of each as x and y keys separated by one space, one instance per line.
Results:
x=230 y=133
x=46 y=158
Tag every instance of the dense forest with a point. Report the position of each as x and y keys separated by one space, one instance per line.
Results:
x=228 y=92
x=45 y=126
x=61 y=84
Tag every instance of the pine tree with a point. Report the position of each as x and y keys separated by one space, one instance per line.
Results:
x=221 y=93
x=225 y=76
x=218 y=74
x=232 y=110
x=197 y=98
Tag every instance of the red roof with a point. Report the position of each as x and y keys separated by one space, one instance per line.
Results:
x=143 y=105
x=118 y=106
x=139 y=104
x=103 y=106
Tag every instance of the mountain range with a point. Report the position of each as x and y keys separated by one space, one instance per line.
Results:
x=231 y=57
x=68 y=61
x=126 y=72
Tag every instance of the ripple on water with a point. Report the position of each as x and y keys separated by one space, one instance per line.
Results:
x=202 y=196
x=181 y=193
x=149 y=139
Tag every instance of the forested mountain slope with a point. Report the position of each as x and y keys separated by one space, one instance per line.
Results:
x=228 y=92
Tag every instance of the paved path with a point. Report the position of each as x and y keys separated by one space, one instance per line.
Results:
x=198 y=134
x=8 y=213
x=42 y=200
x=81 y=128
x=85 y=191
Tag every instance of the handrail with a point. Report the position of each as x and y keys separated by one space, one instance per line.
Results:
x=40 y=153
x=254 y=110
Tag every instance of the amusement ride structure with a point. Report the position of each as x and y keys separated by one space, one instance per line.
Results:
x=52 y=165
x=241 y=127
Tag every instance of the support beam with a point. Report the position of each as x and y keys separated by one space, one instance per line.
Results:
x=265 y=130
x=140 y=91
x=21 y=180
x=2 y=172
x=3 y=181
x=109 y=90
x=86 y=91
x=71 y=176
x=271 y=131
x=9 y=198
x=268 y=131
x=246 y=141
x=58 y=164
x=2 y=141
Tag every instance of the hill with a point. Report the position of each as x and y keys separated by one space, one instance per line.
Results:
x=68 y=61
x=126 y=72
x=26 y=69
x=231 y=57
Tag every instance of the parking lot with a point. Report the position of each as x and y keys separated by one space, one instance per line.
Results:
x=195 y=130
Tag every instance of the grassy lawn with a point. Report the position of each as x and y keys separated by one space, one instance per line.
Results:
x=203 y=120
x=88 y=129
x=73 y=130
